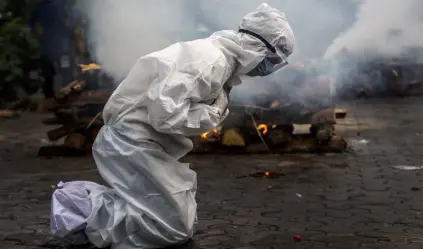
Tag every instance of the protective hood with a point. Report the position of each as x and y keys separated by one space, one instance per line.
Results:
x=248 y=50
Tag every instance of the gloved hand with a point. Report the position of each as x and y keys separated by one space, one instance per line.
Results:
x=222 y=100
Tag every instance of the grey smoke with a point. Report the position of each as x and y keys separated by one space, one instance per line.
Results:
x=382 y=27
x=124 y=30
x=121 y=31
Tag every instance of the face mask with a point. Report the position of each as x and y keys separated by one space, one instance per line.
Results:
x=266 y=67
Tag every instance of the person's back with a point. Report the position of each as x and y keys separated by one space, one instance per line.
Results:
x=177 y=60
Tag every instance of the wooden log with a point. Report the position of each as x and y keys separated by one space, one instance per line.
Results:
x=70 y=115
x=299 y=144
x=240 y=116
x=69 y=121
x=415 y=88
x=278 y=137
x=61 y=151
x=93 y=97
x=324 y=132
x=341 y=113
x=47 y=105
x=19 y=105
x=232 y=137
x=338 y=143
x=74 y=87
x=326 y=116
x=55 y=121
x=60 y=132
x=75 y=140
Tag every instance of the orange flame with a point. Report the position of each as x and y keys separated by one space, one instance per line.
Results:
x=206 y=134
x=77 y=87
x=263 y=128
x=91 y=66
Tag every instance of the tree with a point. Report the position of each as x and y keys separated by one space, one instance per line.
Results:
x=17 y=47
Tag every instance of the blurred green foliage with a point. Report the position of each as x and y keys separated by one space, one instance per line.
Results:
x=18 y=47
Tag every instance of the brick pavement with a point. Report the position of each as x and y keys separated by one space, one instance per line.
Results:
x=354 y=200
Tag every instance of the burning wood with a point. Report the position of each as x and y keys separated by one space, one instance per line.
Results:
x=77 y=108
x=263 y=129
x=265 y=133
x=305 y=143
x=206 y=134
x=340 y=113
x=233 y=138
x=379 y=77
x=250 y=128
x=267 y=125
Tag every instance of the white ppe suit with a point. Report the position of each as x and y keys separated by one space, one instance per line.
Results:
x=167 y=96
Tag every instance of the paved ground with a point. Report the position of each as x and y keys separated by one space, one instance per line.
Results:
x=354 y=200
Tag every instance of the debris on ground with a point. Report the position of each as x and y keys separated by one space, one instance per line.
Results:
x=407 y=167
x=298 y=238
x=7 y=114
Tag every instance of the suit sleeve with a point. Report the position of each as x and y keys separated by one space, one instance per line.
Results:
x=175 y=102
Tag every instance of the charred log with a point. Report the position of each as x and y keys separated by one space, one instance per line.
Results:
x=240 y=116
x=75 y=140
x=61 y=151
x=77 y=108
x=298 y=144
x=233 y=138
x=61 y=132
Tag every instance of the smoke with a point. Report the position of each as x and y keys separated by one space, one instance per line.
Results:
x=122 y=31
x=382 y=27
x=361 y=58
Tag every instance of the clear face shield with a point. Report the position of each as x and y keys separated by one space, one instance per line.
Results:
x=278 y=60
x=275 y=59
x=272 y=63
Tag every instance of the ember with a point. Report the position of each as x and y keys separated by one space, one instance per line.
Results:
x=206 y=134
x=264 y=175
x=263 y=128
x=91 y=66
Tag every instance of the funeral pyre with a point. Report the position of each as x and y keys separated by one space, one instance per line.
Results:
x=257 y=130
x=77 y=111
x=301 y=97
x=264 y=125
x=377 y=76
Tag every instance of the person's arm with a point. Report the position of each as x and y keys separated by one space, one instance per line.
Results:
x=175 y=103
